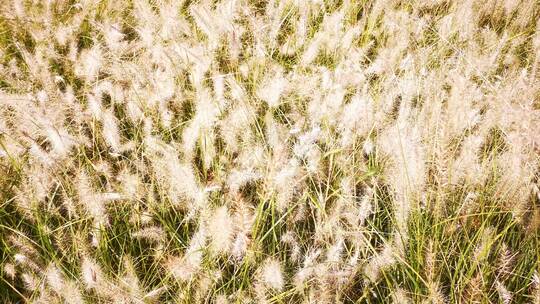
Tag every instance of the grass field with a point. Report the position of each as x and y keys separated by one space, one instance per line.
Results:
x=280 y=151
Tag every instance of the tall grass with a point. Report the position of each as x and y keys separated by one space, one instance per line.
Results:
x=282 y=151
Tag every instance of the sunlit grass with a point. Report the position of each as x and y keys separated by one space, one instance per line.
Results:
x=269 y=151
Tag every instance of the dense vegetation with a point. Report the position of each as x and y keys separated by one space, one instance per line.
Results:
x=281 y=151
